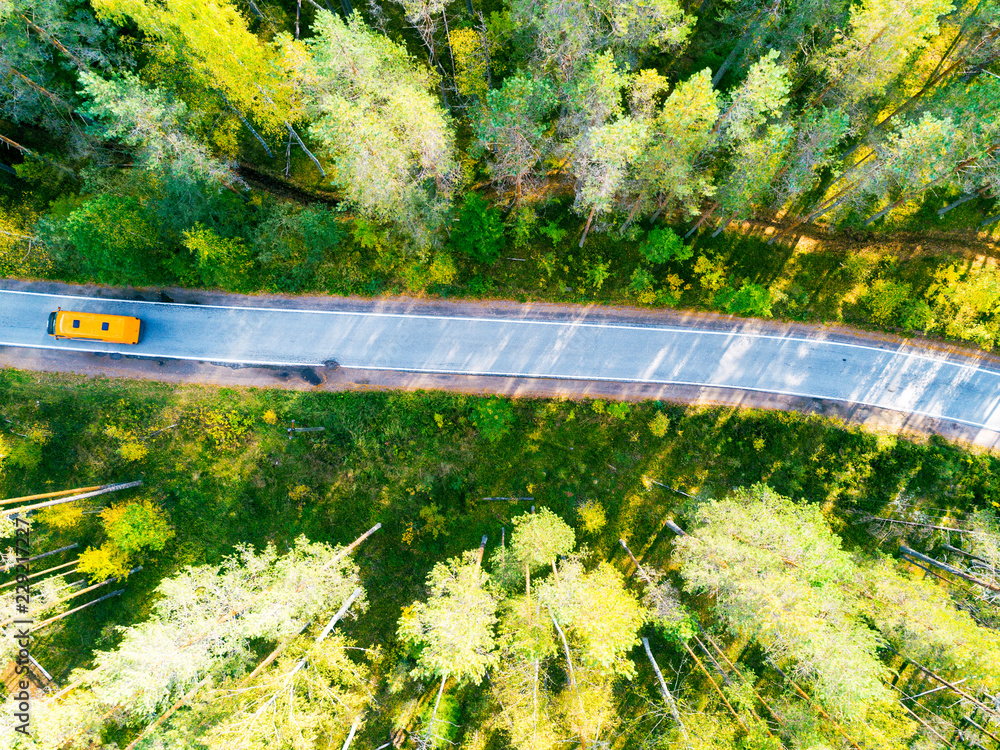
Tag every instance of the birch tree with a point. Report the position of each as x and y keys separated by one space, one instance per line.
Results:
x=211 y=38
x=873 y=50
x=454 y=628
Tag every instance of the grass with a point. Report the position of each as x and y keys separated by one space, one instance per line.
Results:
x=418 y=463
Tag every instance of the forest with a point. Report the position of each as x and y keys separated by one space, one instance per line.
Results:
x=441 y=570
x=431 y=570
x=808 y=160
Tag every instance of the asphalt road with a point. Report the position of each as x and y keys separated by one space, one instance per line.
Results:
x=909 y=381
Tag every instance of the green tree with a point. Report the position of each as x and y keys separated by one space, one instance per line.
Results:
x=392 y=146
x=567 y=32
x=113 y=239
x=774 y=567
x=152 y=123
x=136 y=526
x=212 y=38
x=205 y=618
x=663 y=245
x=452 y=630
x=478 y=230
x=671 y=171
x=511 y=128
x=877 y=44
x=219 y=261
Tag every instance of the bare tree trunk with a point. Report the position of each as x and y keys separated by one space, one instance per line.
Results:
x=572 y=673
x=350 y=735
x=667 y=697
x=168 y=713
x=479 y=554
x=586 y=229
x=434 y=713
x=353 y=545
x=943 y=566
x=43 y=572
x=103 y=491
x=717 y=688
x=950 y=685
x=309 y=153
x=45 y=495
x=955 y=204
x=67 y=613
x=988 y=221
x=824 y=714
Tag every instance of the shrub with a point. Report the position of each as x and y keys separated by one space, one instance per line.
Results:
x=106 y=561
x=554 y=232
x=218 y=261
x=884 y=300
x=662 y=245
x=592 y=516
x=597 y=273
x=114 y=239
x=493 y=418
x=446 y=722
x=135 y=526
x=619 y=410
x=478 y=232
x=749 y=299
x=523 y=225
x=659 y=424
x=711 y=271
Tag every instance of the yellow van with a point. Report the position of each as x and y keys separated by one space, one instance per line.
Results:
x=115 y=329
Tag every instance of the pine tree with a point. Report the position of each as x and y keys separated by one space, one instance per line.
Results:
x=392 y=146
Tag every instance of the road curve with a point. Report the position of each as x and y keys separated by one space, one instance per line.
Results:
x=901 y=379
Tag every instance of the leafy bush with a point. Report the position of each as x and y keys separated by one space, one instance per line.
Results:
x=446 y=722
x=523 y=226
x=597 y=273
x=136 y=526
x=218 y=261
x=493 y=418
x=749 y=299
x=114 y=240
x=884 y=300
x=659 y=424
x=554 y=232
x=478 y=232
x=662 y=245
x=619 y=410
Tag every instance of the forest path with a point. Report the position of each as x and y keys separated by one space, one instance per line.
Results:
x=498 y=347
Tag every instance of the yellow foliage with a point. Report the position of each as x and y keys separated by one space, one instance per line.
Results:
x=434 y=522
x=659 y=424
x=106 y=561
x=592 y=516
x=20 y=253
x=270 y=417
x=298 y=492
x=212 y=39
x=131 y=447
x=62 y=516
x=471 y=55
